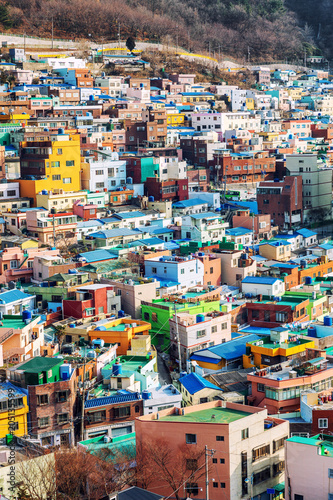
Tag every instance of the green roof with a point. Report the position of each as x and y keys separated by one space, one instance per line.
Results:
x=40 y=364
x=211 y=415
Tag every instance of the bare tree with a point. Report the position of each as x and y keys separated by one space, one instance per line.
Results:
x=36 y=478
x=177 y=469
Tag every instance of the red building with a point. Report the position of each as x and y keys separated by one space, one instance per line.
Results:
x=282 y=200
x=252 y=166
x=86 y=212
x=198 y=179
x=90 y=300
x=171 y=190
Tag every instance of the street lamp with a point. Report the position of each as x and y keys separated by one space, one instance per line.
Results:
x=247 y=481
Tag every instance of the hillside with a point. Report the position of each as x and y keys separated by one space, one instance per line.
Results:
x=259 y=29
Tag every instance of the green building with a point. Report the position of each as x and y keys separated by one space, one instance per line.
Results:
x=36 y=371
x=159 y=311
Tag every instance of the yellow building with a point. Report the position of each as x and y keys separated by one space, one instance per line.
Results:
x=13 y=411
x=60 y=200
x=21 y=118
x=274 y=250
x=51 y=165
x=280 y=346
x=249 y=103
x=174 y=119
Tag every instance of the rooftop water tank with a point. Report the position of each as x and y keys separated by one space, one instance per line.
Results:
x=146 y=394
x=312 y=332
x=65 y=371
x=151 y=199
x=45 y=191
x=91 y=354
x=117 y=369
x=328 y=321
x=100 y=329
x=26 y=316
x=61 y=131
x=99 y=342
x=308 y=280
x=200 y=318
x=121 y=313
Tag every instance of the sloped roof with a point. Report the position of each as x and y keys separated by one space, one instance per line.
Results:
x=194 y=383
x=229 y=350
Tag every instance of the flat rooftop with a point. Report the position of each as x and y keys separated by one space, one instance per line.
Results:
x=211 y=415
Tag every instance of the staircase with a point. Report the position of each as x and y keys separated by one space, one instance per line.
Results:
x=6 y=335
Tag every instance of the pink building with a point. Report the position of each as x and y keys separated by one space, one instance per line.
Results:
x=198 y=332
x=17 y=264
x=86 y=212
x=260 y=223
x=309 y=466
x=248 y=448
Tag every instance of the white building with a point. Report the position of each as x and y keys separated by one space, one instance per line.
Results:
x=220 y=122
x=317 y=186
x=185 y=271
x=271 y=287
x=203 y=227
x=9 y=190
x=105 y=174
x=161 y=398
x=15 y=302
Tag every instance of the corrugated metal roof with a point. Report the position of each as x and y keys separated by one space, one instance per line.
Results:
x=13 y=296
x=257 y=280
x=194 y=383
x=229 y=350
x=109 y=400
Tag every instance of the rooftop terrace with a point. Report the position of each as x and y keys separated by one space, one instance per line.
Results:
x=211 y=415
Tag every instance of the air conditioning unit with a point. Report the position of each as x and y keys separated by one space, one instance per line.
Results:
x=40 y=304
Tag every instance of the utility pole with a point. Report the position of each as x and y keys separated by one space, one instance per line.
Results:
x=208 y=454
x=83 y=394
x=52 y=32
x=178 y=339
x=54 y=234
x=119 y=34
x=248 y=54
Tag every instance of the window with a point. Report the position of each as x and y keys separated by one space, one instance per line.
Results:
x=201 y=333
x=67 y=180
x=214 y=329
x=261 y=387
x=55 y=164
x=191 y=464
x=70 y=163
x=298 y=497
x=43 y=422
x=99 y=185
x=154 y=270
x=219 y=438
x=146 y=316
x=278 y=444
x=245 y=433
x=59 y=152
x=215 y=485
x=154 y=317
x=222 y=460
x=61 y=396
x=258 y=453
x=42 y=399
x=122 y=412
x=62 y=418
x=11 y=192
x=214 y=460
x=56 y=177
x=222 y=485
x=13 y=264
x=191 y=438
x=192 y=489
x=262 y=475
x=96 y=416
x=322 y=423
x=278 y=468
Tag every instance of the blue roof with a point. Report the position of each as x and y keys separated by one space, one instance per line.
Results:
x=148 y=242
x=237 y=231
x=258 y=258
x=157 y=230
x=97 y=255
x=13 y=296
x=5 y=387
x=89 y=223
x=114 y=233
x=164 y=282
x=229 y=350
x=109 y=400
x=194 y=383
x=206 y=215
x=260 y=280
x=325 y=246
x=171 y=245
x=128 y=215
x=189 y=203
x=284 y=265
